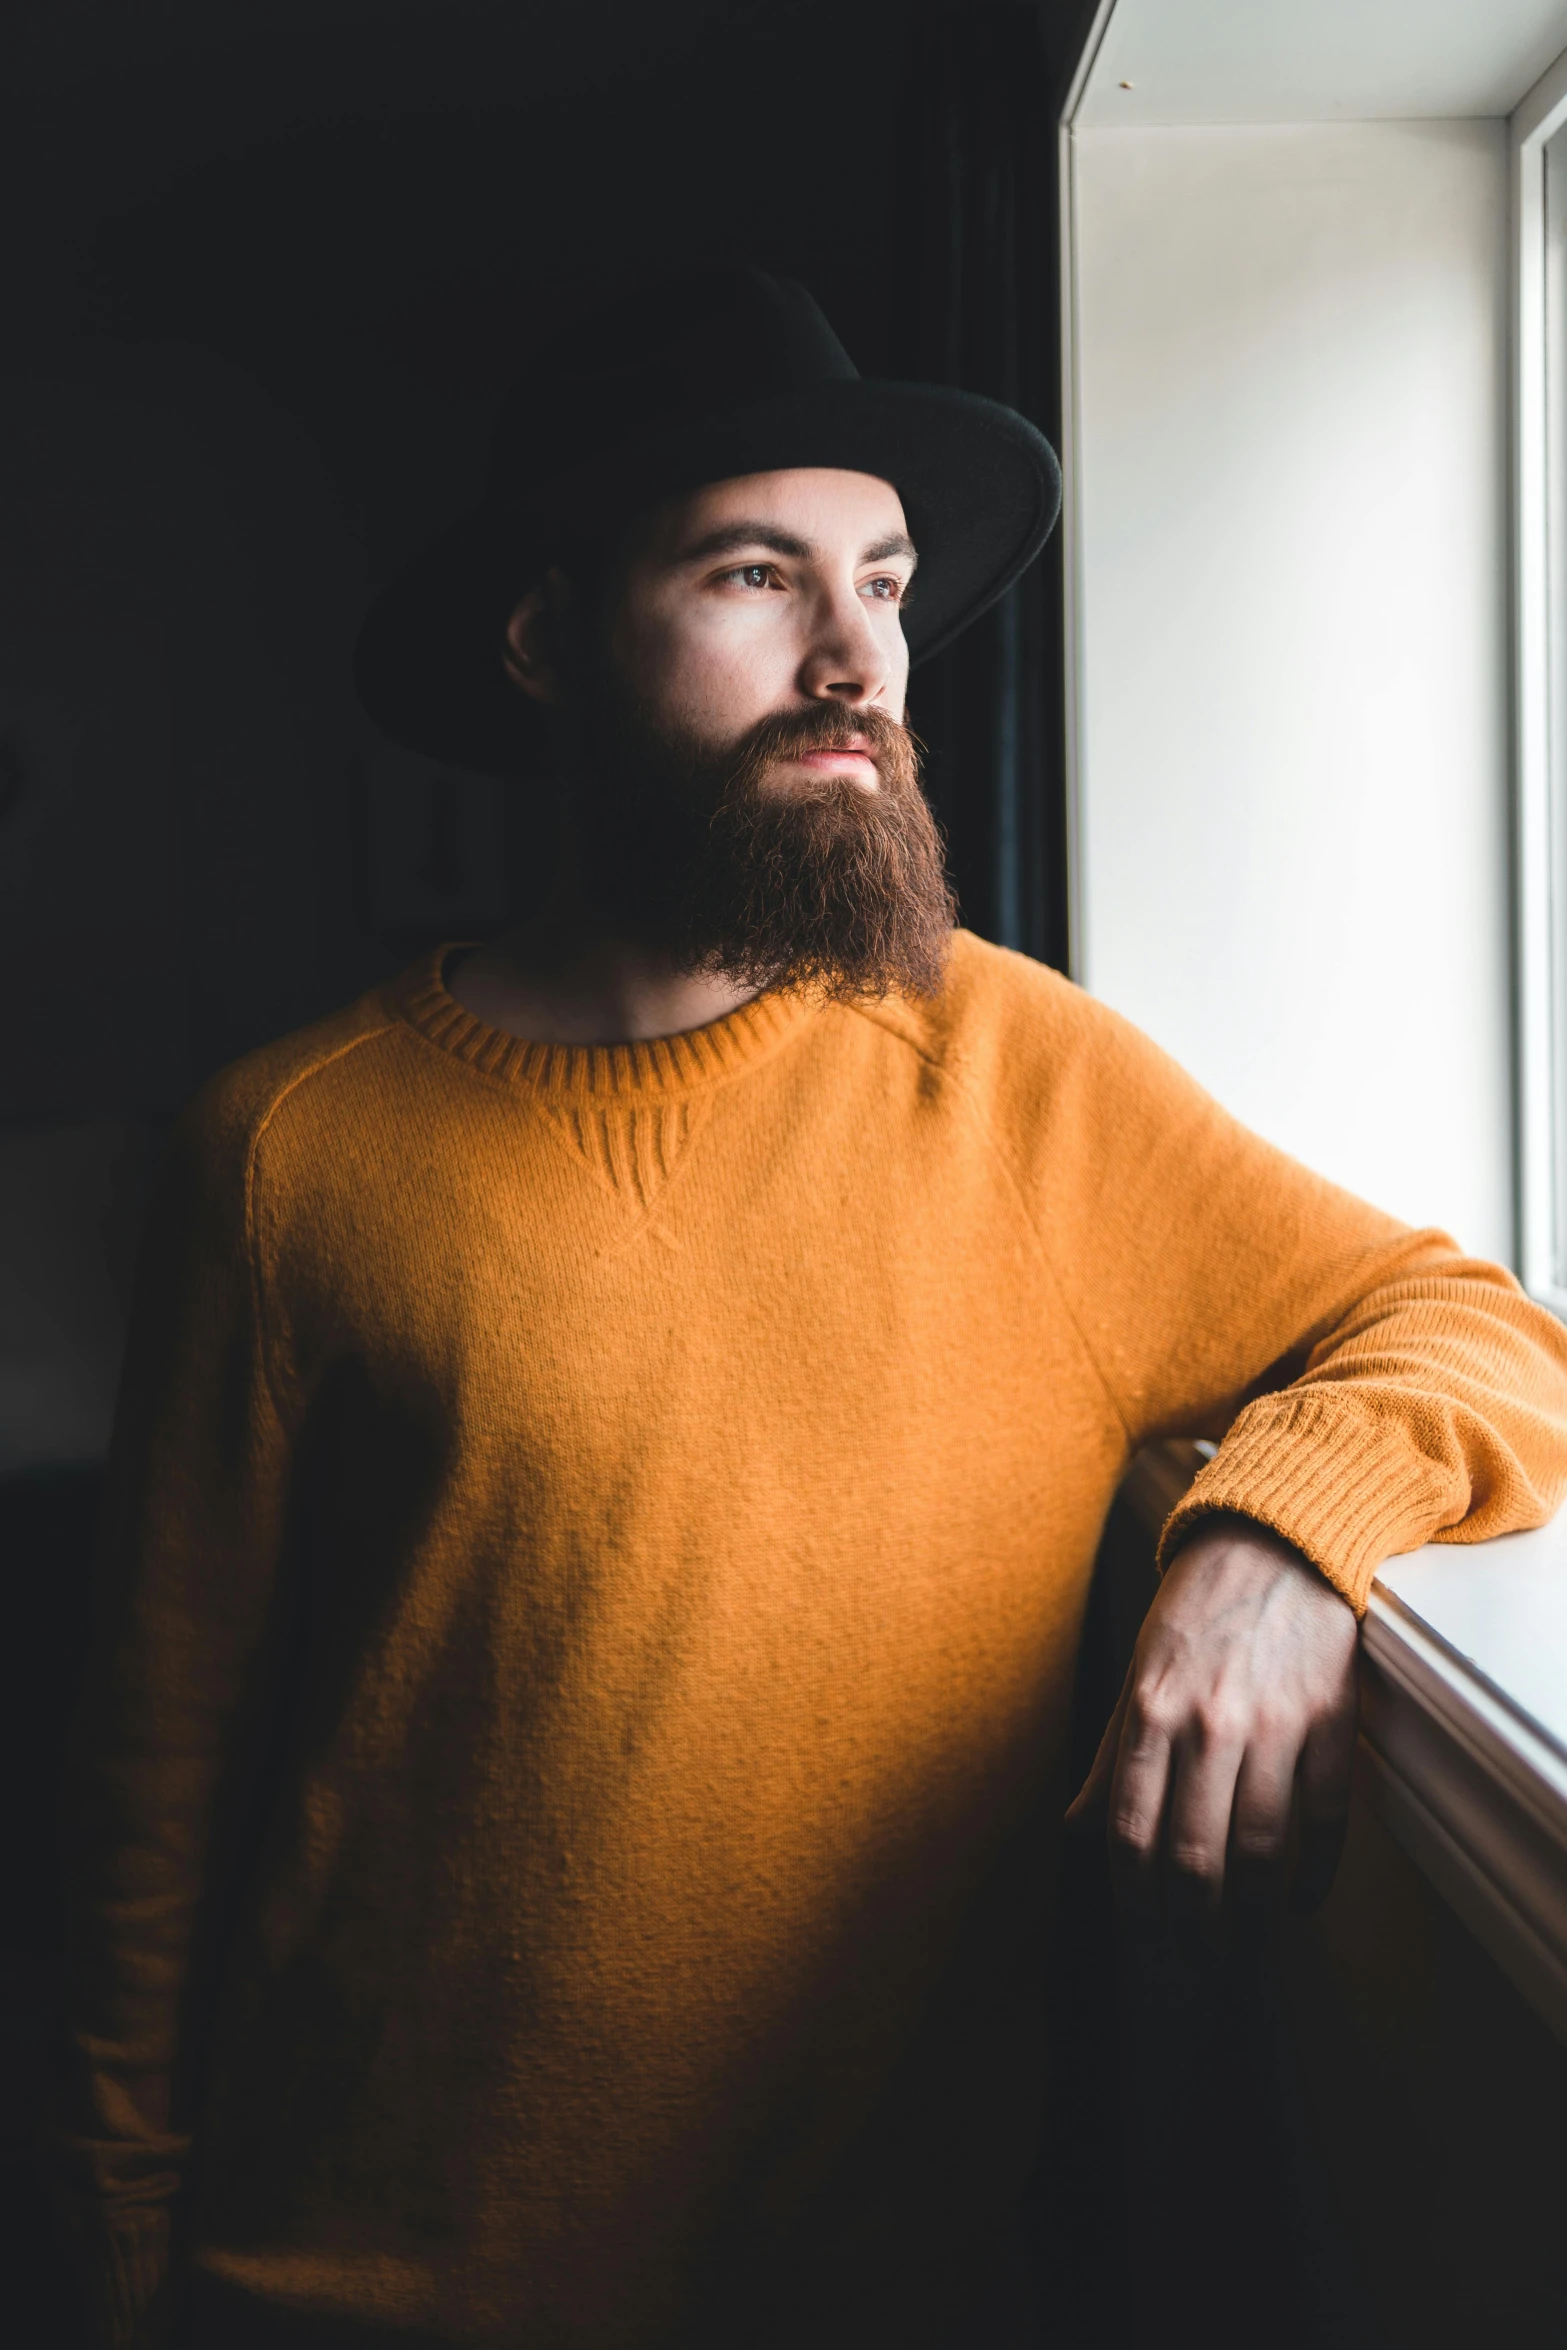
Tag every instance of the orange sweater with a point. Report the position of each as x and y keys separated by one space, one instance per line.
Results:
x=563 y=1812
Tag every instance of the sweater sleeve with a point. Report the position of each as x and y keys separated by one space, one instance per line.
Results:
x=161 y=1783
x=1375 y=1389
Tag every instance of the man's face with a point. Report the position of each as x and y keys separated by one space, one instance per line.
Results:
x=773 y=593
x=745 y=796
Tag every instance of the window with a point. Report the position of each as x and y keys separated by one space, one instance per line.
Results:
x=1284 y=279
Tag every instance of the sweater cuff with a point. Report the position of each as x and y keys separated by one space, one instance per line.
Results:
x=1347 y=1489
x=125 y=2271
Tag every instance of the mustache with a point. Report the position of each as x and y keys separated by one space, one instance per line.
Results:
x=829 y=726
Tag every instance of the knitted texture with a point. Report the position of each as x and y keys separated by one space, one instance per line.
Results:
x=562 y=1813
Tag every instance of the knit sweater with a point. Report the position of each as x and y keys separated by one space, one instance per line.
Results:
x=561 y=1822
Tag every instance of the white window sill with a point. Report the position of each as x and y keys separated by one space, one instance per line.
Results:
x=1463 y=1727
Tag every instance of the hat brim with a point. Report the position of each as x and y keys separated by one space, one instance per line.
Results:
x=980 y=488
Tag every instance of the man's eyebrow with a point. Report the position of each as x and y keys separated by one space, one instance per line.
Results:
x=733 y=536
x=897 y=544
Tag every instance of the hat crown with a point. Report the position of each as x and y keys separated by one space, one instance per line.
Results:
x=665 y=355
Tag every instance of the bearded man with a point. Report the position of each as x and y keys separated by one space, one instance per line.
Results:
x=614 y=1446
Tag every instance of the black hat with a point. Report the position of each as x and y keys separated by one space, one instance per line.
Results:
x=717 y=374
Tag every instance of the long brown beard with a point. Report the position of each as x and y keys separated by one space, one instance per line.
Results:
x=824 y=885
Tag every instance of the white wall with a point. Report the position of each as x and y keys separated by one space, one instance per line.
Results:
x=1293 y=730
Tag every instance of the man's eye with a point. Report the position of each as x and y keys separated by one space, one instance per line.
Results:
x=751 y=574
x=888 y=588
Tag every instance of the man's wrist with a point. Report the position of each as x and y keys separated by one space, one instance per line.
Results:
x=1230 y=1527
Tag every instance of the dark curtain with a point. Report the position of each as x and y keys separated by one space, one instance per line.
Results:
x=976 y=275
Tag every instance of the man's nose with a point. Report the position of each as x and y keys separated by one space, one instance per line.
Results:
x=847 y=660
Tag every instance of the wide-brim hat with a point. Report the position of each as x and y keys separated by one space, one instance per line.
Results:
x=717 y=374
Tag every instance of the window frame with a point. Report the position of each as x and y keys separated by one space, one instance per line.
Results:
x=1540 y=801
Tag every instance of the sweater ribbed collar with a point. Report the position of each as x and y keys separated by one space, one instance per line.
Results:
x=662 y=1066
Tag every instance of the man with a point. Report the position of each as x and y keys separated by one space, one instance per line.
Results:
x=614 y=1446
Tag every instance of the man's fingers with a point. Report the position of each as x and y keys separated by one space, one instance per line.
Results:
x=1137 y=1801
x=1260 y=1825
x=1207 y=1764
x=1321 y=1848
x=1088 y=1804
x=1244 y=1646
x=1326 y=1768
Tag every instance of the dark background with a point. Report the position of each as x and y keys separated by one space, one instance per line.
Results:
x=264 y=282
x=266 y=271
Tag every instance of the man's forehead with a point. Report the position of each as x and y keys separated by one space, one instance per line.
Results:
x=817 y=505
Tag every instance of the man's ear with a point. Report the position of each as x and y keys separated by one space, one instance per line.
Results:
x=535 y=638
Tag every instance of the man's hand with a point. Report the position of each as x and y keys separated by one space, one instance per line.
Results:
x=1241 y=1688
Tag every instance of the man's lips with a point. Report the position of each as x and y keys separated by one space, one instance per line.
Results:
x=852 y=759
